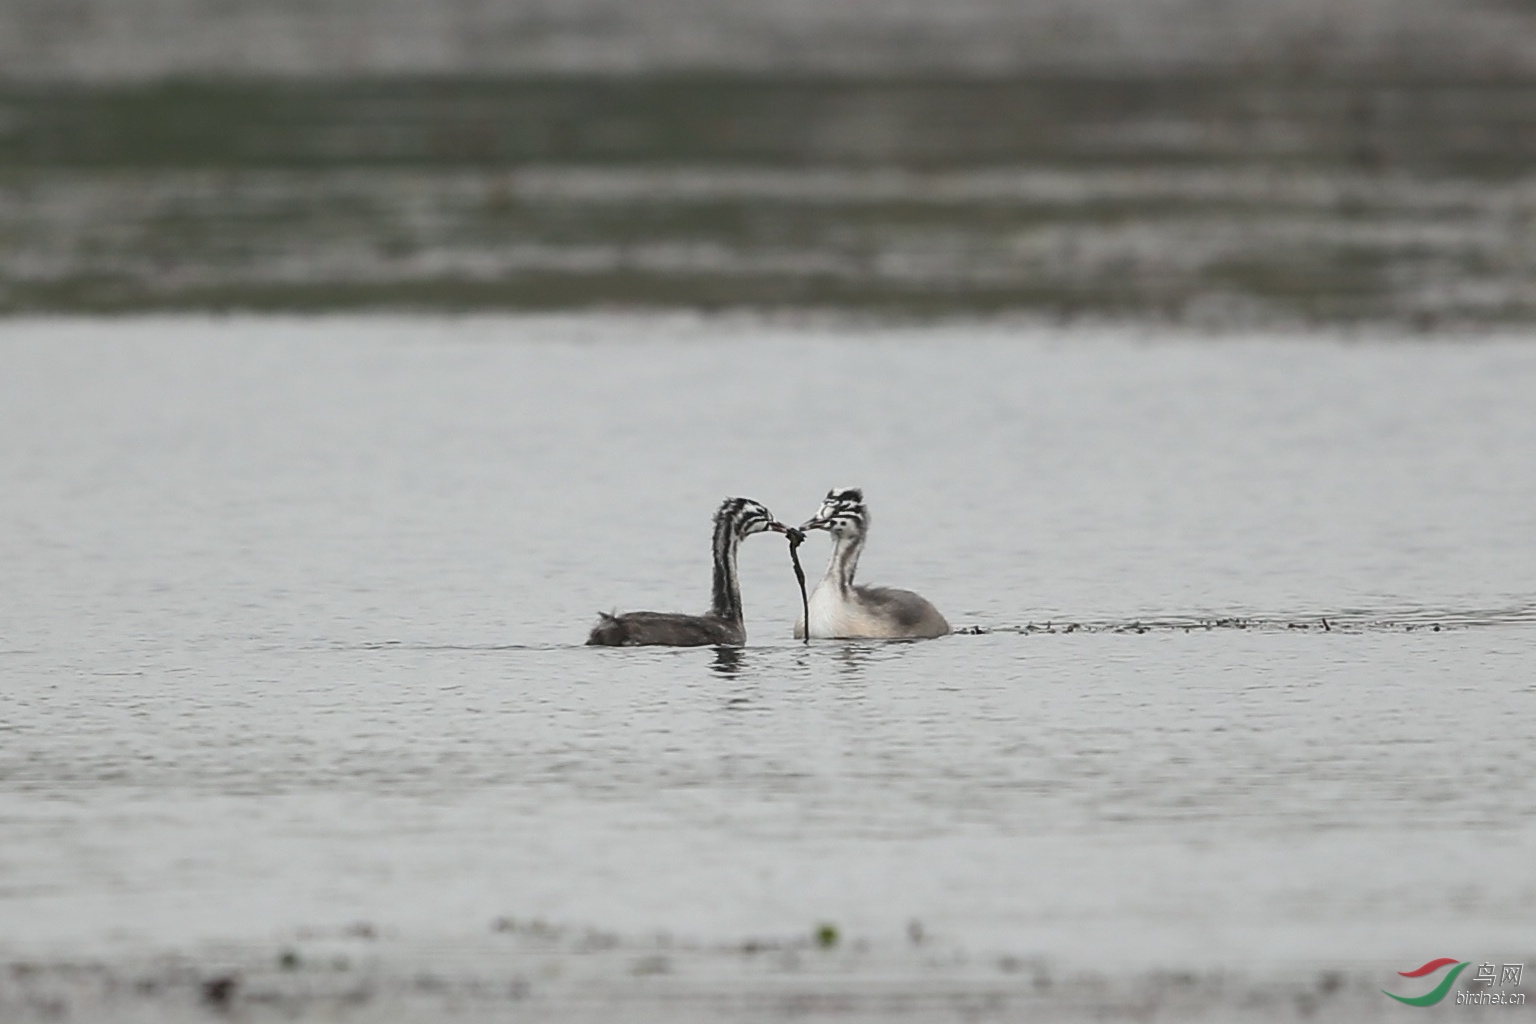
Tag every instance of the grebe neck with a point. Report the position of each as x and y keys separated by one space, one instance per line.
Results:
x=726 y=592
x=846 y=548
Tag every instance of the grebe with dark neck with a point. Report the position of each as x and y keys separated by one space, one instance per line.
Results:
x=839 y=609
x=736 y=520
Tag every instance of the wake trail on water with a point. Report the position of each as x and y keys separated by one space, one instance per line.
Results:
x=1352 y=620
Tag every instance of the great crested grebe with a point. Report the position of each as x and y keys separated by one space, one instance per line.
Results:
x=839 y=609
x=736 y=519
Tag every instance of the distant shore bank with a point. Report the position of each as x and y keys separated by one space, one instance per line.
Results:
x=1211 y=199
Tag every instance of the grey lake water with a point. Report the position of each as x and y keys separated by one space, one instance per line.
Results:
x=296 y=720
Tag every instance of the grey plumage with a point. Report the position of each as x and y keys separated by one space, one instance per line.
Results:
x=735 y=520
x=664 y=629
x=841 y=609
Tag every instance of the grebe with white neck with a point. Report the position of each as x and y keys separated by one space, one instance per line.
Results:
x=838 y=608
x=736 y=520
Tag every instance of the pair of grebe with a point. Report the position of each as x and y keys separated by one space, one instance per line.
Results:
x=838 y=608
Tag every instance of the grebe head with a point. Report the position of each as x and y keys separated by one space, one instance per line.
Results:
x=842 y=513
x=747 y=517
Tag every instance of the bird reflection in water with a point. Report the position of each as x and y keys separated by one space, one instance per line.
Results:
x=727 y=661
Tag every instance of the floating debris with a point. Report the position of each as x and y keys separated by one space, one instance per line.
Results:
x=219 y=992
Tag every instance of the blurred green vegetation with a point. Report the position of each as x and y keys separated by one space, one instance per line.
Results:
x=1218 y=199
x=1444 y=128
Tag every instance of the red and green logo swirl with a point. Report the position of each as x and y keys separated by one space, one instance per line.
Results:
x=1438 y=993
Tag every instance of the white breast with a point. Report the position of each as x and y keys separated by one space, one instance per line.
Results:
x=833 y=617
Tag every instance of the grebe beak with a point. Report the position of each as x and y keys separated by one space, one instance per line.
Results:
x=816 y=524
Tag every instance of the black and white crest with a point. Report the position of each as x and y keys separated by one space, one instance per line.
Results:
x=844 y=506
x=743 y=516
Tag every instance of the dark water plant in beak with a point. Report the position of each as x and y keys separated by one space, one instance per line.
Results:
x=796 y=538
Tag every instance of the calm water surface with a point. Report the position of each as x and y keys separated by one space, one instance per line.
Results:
x=290 y=638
